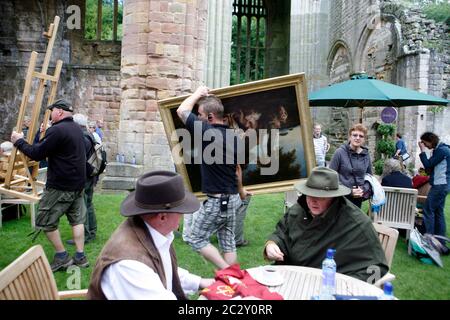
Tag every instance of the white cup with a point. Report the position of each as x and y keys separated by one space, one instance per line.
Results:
x=270 y=273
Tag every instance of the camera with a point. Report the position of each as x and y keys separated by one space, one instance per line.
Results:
x=224 y=202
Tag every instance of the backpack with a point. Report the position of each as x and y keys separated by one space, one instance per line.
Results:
x=422 y=248
x=96 y=158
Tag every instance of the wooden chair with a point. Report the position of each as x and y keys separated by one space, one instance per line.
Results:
x=30 y=277
x=388 y=239
x=290 y=198
x=399 y=211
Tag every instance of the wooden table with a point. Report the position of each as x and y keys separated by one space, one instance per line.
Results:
x=301 y=283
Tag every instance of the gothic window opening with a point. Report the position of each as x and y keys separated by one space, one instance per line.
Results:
x=248 y=48
x=103 y=20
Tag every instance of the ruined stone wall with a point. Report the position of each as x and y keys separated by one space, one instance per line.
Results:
x=423 y=65
x=21 y=26
x=397 y=45
x=96 y=93
x=90 y=77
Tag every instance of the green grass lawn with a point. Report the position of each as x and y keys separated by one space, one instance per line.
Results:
x=414 y=280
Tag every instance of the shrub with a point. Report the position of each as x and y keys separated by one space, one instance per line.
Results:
x=386 y=147
x=379 y=166
x=386 y=129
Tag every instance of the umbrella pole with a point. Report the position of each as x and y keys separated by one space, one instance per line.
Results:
x=361 y=109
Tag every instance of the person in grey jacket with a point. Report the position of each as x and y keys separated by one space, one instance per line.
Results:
x=352 y=162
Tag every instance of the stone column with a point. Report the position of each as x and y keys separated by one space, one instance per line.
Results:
x=135 y=109
x=218 y=43
x=309 y=40
x=163 y=52
x=413 y=73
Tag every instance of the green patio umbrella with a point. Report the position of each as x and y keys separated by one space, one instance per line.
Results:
x=363 y=91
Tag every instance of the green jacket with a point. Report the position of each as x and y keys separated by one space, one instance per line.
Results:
x=304 y=240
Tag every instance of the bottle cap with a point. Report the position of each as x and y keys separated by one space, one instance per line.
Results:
x=330 y=253
x=388 y=288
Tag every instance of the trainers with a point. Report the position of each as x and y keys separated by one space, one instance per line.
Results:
x=82 y=262
x=242 y=244
x=58 y=263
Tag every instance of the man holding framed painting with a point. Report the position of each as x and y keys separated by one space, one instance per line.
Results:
x=276 y=127
x=218 y=177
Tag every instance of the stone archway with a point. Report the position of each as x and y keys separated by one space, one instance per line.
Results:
x=339 y=68
x=340 y=64
x=378 y=49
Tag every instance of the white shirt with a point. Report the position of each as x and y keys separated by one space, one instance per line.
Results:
x=320 y=147
x=97 y=137
x=133 y=280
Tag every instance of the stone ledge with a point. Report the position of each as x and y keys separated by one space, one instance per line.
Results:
x=118 y=183
x=119 y=169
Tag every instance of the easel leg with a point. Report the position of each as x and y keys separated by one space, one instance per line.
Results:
x=33 y=214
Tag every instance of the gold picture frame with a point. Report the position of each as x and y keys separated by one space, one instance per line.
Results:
x=258 y=99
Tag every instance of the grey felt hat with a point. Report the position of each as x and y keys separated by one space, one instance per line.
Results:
x=323 y=183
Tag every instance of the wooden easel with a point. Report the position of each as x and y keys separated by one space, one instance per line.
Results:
x=17 y=159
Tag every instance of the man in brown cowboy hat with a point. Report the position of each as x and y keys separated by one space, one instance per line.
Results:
x=138 y=261
x=324 y=218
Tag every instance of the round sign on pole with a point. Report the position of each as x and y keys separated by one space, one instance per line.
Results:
x=389 y=115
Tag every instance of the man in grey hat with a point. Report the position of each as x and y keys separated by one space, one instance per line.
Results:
x=139 y=261
x=63 y=145
x=324 y=218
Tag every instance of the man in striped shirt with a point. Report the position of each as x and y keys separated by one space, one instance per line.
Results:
x=321 y=145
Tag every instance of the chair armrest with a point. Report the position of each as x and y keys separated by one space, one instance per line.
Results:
x=387 y=277
x=421 y=199
x=72 y=294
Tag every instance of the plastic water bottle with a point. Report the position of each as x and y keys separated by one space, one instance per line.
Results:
x=388 y=293
x=118 y=158
x=133 y=160
x=122 y=158
x=329 y=277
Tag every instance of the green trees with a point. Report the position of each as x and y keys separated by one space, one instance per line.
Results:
x=91 y=18
x=248 y=50
x=438 y=10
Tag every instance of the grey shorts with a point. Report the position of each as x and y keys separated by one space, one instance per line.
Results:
x=54 y=203
x=211 y=220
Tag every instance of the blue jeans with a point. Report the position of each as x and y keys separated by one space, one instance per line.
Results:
x=434 y=217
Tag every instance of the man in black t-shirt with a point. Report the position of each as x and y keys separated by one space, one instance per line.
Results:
x=219 y=180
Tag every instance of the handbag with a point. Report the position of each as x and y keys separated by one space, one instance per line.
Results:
x=423 y=250
x=405 y=156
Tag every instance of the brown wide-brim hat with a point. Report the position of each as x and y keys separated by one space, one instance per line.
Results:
x=159 y=192
x=322 y=183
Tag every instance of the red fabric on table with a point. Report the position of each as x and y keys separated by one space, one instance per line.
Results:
x=224 y=289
